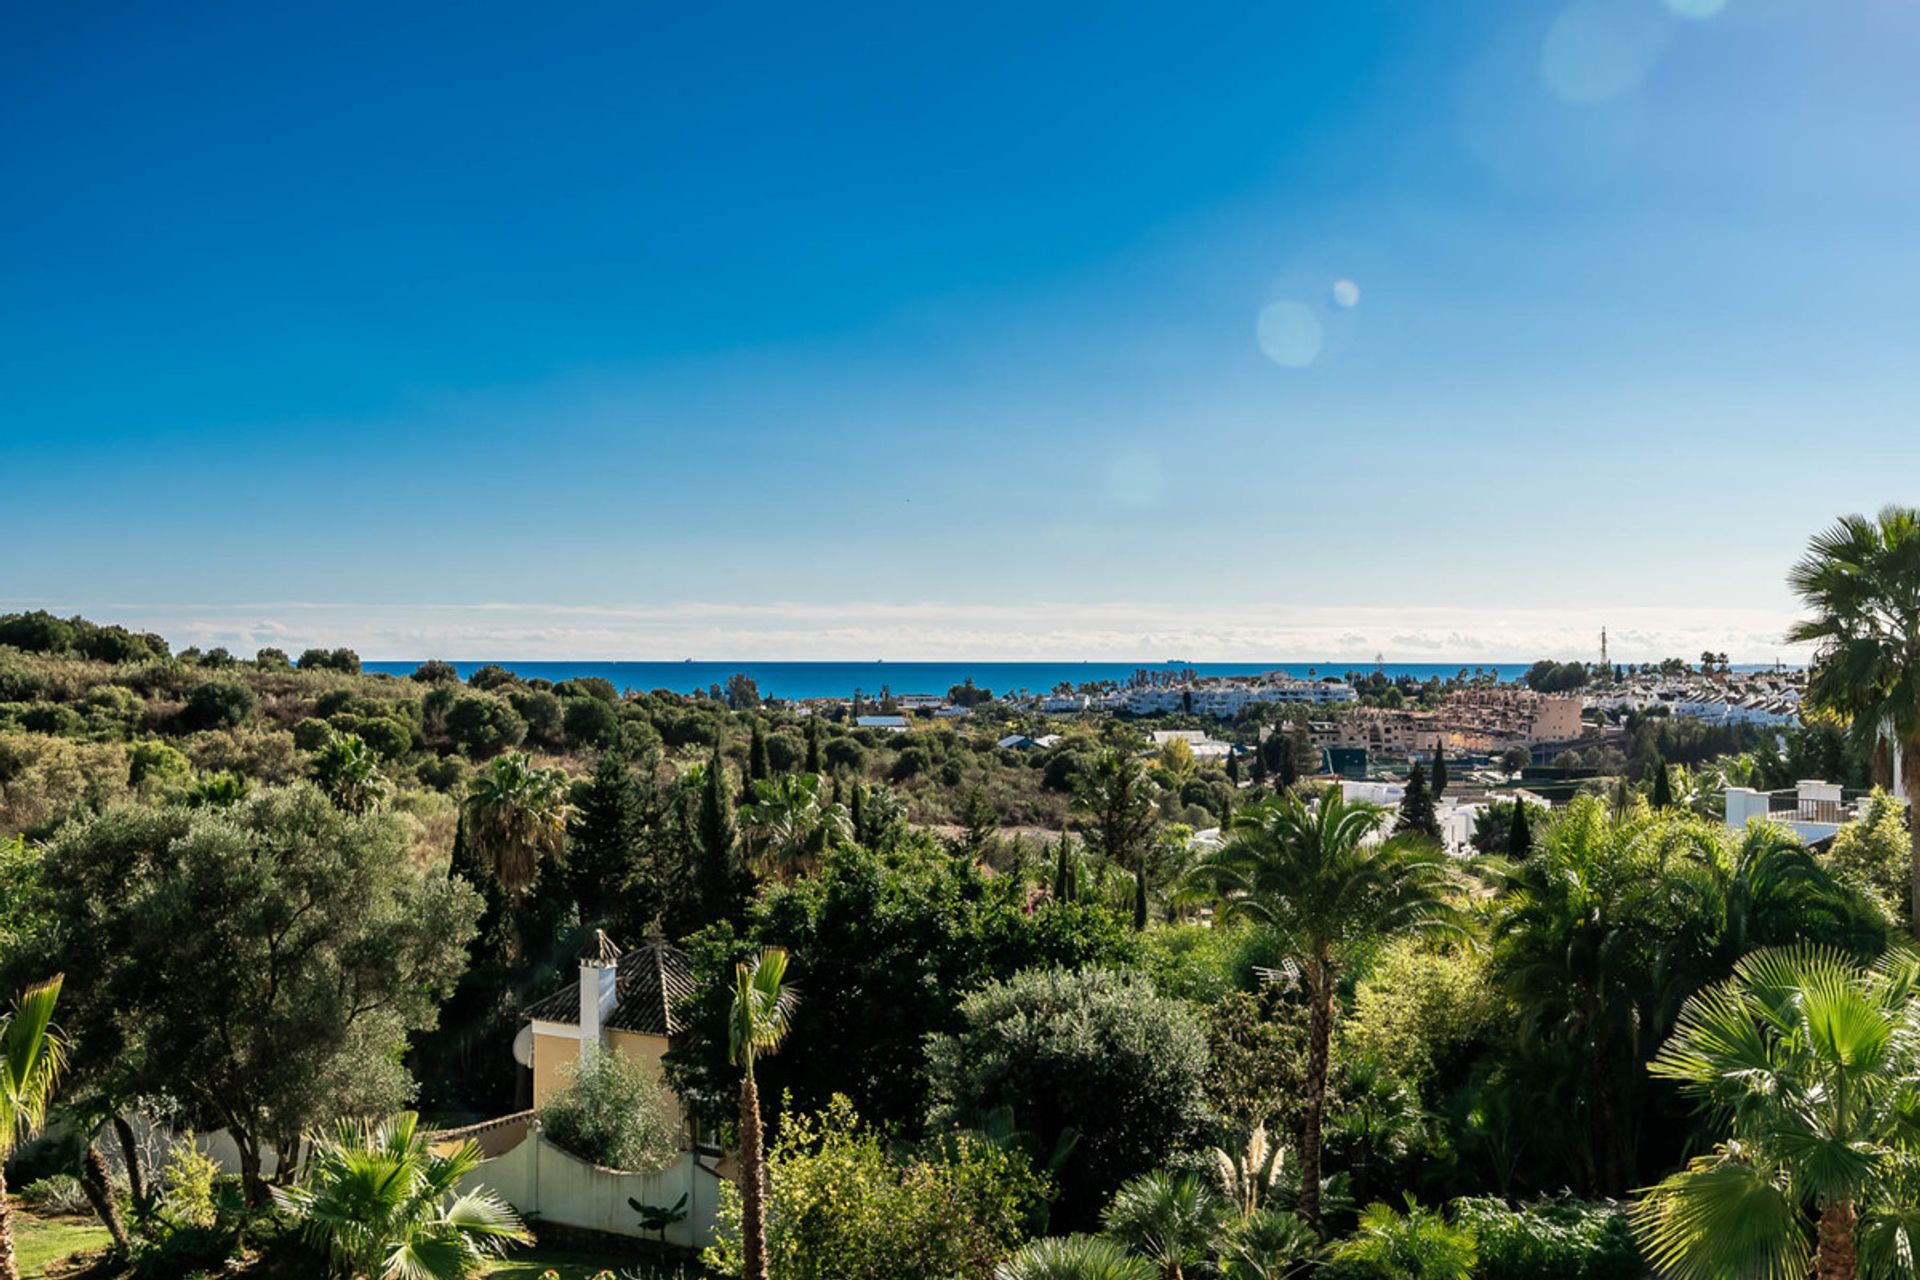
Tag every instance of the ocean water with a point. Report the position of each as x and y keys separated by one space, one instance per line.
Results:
x=842 y=679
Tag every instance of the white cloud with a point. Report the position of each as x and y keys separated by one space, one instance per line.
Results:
x=856 y=630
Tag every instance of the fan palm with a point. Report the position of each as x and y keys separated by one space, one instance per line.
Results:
x=384 y=1207
x=1811 y=1063
x=32 y=1055
x=348 y=770
x=1326 y=889
x=1073 y=1258
x=1861 y=580
x=757 y=1023
x=1269 y=1244
x=517 y=814
x=789 y=822
x=1173 y=1219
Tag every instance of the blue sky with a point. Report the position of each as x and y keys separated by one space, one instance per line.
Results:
x=1284 y=329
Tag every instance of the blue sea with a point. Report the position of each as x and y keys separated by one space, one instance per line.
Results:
x=842 y=679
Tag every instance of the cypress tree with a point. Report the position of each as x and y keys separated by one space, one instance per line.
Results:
x=857 y=813
x=813 y=745
x=1439 y=769
x=1306 y=756
x=1519 y=836
x=758 y=770
x=716 y=838
x=1416 y=806
x=1662 y=783
x=1233 y=767
x=1286 y=774
x=1064 y=887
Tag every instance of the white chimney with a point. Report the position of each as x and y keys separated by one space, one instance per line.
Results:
x=599 y=989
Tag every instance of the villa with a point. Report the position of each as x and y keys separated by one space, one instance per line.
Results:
x=628 y=1002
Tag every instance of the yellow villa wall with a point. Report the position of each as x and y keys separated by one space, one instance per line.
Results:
x=553 y=1054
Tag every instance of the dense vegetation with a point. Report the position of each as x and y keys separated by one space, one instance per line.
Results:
x=962 y=1012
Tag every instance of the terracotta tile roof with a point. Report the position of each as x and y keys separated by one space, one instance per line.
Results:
x=650 y=985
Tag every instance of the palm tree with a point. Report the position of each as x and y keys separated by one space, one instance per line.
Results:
x=757 y=1022
x=517 y=814
x=1326 y=890
x=349 y=772
x=1174 y=1219
x=1811 y=1064
x=32 y=1054
x=790 y=824
x=385 y=1207
x=1269 y=1244
x=1073 y=1258
x=1861 y=580
x=1577 y=929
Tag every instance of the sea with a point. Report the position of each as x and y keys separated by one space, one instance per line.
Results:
x=795 y=680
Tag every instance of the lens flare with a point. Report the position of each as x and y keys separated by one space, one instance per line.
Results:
x=1289 y=334
x=1596 y=50
x=1346 y=294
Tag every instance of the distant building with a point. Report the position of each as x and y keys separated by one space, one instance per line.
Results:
x=890 y=724
x=1811 y=809
x=1202 y=746
x=1226 y=699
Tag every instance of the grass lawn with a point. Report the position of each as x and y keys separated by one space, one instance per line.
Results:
x=41 y=1241
x=528 y=1264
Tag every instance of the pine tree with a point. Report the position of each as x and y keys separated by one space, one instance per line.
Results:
x=1416 y=806
x=1439 y=769
x=758 y=770
x=605 y=837
x=1273 y=750
x=717 y=835
x=1662 y=783
x=1519 y=836
x=813 y=745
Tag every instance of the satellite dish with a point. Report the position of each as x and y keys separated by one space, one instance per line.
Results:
x=523 y=1046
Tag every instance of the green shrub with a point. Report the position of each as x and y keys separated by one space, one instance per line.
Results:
x=1564 y=1239
x=483 y=725
x=612 y=1112
x=217 y=704
x=841 y=1205
x=1098 y=1052
x=20 y=683
x=59 y=1193
x=187 y=1182
x=1419 y=1245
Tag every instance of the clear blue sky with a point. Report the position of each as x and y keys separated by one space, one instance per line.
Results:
x=1000 y=330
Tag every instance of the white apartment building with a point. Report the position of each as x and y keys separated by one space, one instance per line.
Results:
x=1226 y=700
